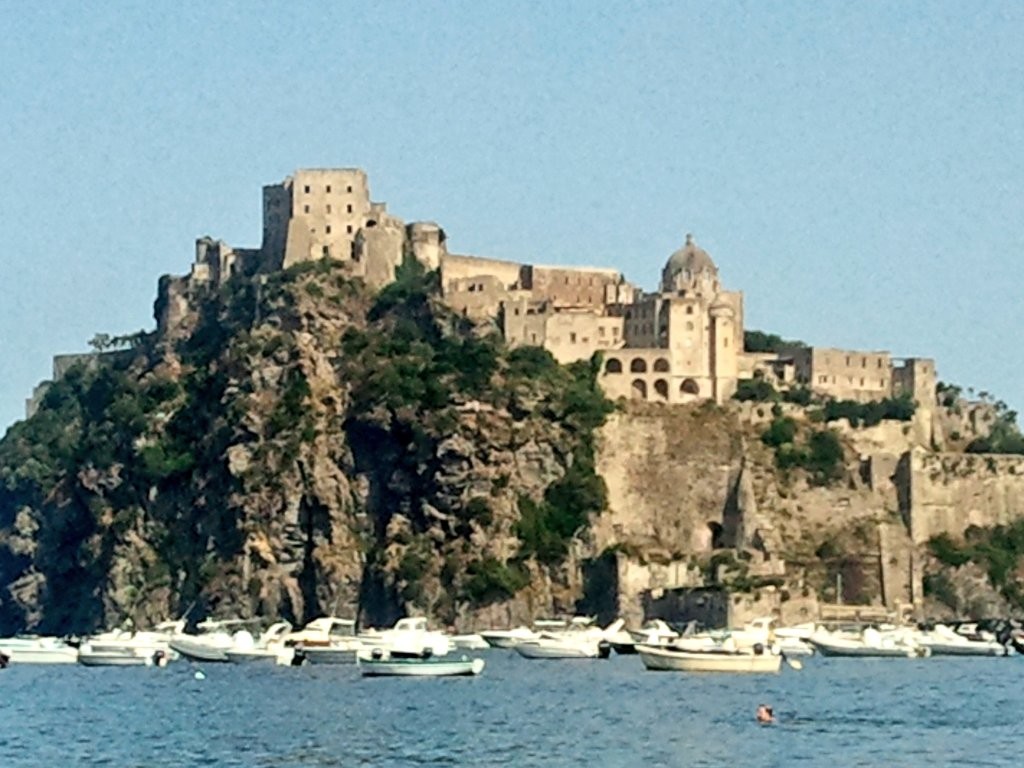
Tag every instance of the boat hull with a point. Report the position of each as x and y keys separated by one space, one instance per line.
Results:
x=198 y=651
x=41 y=651
x=667 y=660
x=966 y=649
x=864 y=652
x=252 y=657
x=322 y=655
x=112 y=659
x=534 y=650
x=421 y=667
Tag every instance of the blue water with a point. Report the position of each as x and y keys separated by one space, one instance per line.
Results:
x=835 y=712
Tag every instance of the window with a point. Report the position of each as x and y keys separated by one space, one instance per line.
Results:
x=862 y=382
x=305 y=209
x=823 y=379
x=847 y=361
x=328 y=189
x=349 y=229
x=327 y=229
x=328 y=209
x=349 y=207
x=533 y=337
x=306 y=189
x=572 y=338
x=689 y=309
x=725 y=342
x=863 y=362
x=349 y=190
x=879 y=362
x=326 y=251
x=615 y=332
x=600 y=331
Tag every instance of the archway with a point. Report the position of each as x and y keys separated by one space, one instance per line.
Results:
x=689 y=387
x=613 y=366
x=639 y=389
x=661 y=365
x=661 y=389
x=638 y=365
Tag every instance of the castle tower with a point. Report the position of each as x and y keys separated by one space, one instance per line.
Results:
x=314 y=214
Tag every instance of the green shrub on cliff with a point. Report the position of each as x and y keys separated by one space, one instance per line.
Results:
x=997 y=549
x=491 y=581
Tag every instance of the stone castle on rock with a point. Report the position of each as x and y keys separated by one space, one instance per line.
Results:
x=681 y=343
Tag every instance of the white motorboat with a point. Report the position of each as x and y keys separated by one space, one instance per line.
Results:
x=213 y=642
x=944 y=641
x=471 y=642
x=269 y=648
x=119 y=657
x=660 y=658
x=409 y=637
x=38 y=650
x=149 y=644
x=581 y=640
x=327 y=640
x=869 y=643
x=508 y=638
x=384 y=665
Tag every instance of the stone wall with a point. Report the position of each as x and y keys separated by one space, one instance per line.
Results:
x=949 y=492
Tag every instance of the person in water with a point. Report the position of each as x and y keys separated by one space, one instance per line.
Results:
x=765 y=714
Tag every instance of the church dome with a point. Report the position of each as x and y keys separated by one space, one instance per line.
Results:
x=686 y=264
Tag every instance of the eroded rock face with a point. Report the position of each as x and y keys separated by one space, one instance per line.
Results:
x=264 y=459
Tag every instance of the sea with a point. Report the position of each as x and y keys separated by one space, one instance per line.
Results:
x=518 y=712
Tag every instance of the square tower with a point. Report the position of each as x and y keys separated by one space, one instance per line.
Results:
x=314 y=214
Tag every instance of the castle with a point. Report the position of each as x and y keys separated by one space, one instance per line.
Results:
x=681 y=343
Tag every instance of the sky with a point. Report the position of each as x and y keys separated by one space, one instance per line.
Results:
x=856 y=169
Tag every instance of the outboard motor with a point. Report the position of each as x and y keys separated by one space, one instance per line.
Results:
x=4 y=660
x=427 y=653
x=604 y=649
x=758 y=649
x=376 y=654
x=298 y=656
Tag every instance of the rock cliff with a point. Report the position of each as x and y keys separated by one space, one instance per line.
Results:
x=300 y=445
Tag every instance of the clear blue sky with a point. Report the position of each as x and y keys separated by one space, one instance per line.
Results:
x=857 y=169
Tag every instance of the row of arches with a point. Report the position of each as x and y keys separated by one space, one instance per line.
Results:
x=638 y=389
x=637 y=365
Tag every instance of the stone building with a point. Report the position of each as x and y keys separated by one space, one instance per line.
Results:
x=682 y=343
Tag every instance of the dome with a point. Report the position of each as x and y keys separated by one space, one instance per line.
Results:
x=690 y=258
x=687 y=263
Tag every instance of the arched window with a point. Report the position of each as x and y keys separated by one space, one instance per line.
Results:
x=661 y=365
x=661 y=389
x=639 y=390
x=638 y=365
x=689 y=387
x=613 y=366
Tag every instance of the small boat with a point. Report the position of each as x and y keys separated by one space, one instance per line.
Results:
x=119 y=658
x=662 y=659
x=38 y=650
x=471 y=642
x=432 y=666
x=870 y=643
x=508 y=638
x=409 y=637
x=942 y=640
x=581 y=640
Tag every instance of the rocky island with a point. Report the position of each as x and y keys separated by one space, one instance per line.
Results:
x=351 y=420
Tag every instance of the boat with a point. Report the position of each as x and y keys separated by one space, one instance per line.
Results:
x=384 y=665
x=471 y=642
x=149 y=644
x=213 y=641
x=38 y=650
x=582 y=640
x=409 y=637
x=942 y=640
x=119 y=658
x=869 y=643
x=269 y=648
x=327 y=640
x=508 y=638
x=661 y=658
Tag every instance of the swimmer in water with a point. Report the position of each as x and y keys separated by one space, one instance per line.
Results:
x=765 y=714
